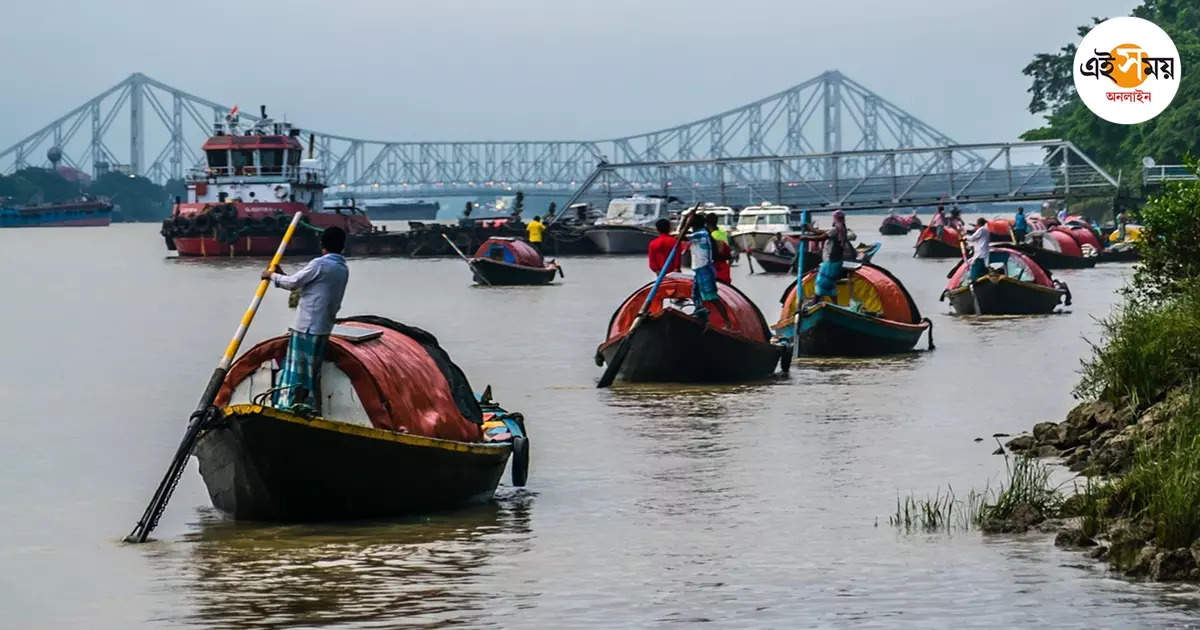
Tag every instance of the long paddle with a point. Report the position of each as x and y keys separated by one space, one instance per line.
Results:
x=466 y=260
x=614 y=366
x=962 y=246
x=204 y=410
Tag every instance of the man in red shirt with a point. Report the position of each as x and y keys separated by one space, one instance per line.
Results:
x=661 y=246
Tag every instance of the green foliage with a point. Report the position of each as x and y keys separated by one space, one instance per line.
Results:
x=1167 y=138
x=1170 y=246
x=139 y=198
x=1163 y=484
x=1028 y=488
x=939 y=513
x=1147 y=350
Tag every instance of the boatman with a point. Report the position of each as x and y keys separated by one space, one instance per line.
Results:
x=981 y=241
x=938 y=222
x=704 y=284
x=535 y=229
x=661 y=246
x=1020 y=226
x=722 y=252
x=322 y=283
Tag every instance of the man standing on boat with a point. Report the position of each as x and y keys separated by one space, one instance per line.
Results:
x=1020 y=226
x=938 y=222
x=704 y=283
x=981 y=241
x=722 y=252
x=322 y=283
x=661 y=246
x=535 y=229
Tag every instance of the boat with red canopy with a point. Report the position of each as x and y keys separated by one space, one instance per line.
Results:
x=399 y=430
x=511 y=261
x=1060 y=248
x=873 y=314
x=673 y=346
x=930 y=246
x=252 y=183
x=1014 y=285
x=893 y=225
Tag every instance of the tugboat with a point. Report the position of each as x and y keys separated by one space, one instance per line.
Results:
x=252 y=183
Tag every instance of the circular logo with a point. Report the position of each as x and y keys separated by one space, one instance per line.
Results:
x=1127 y=70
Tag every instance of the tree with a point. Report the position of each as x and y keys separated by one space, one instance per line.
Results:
x=1170 y=242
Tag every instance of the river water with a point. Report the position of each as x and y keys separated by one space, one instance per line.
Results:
x=758 y=505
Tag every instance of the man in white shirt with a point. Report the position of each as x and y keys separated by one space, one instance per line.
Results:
x=980 y=240
x=322 y=283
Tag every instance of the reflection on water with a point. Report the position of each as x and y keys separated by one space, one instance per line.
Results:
x=262 y=575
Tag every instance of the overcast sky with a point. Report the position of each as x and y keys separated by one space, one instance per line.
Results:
x=534 y=69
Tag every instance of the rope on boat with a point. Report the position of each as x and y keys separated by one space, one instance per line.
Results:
x=930 y=322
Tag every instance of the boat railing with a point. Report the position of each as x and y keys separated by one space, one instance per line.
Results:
x=300 y=174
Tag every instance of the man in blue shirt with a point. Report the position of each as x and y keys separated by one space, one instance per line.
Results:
x=322 y=283
x=1020 y=226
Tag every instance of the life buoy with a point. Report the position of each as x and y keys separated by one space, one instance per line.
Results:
x=283 y=221
x=520 y=460
x=181 y=224
x=168 y=228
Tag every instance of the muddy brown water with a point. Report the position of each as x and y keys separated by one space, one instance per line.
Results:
x=760 y=505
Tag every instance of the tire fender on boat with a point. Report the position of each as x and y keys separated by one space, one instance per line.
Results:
x=520 y=460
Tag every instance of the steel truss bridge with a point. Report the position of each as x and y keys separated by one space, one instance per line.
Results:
x=955 y=174
x=807 y=143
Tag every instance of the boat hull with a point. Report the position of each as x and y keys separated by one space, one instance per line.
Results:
x=620 y=239
x=1001 y=295
x=1128 y=254
x=1049 y=259
x=202 y=246
x=750 y=241
x=673 y=347
x=891 y=228
x=82 y=214
x=934 y=248
x=264 y=464
x=831 y=330
x=499 y=273
x=770 y=263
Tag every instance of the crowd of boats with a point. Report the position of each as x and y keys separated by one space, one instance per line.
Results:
x=394 y=405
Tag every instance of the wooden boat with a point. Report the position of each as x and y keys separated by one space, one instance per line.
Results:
x=930 y=246
x=673 y=346
x=1057 y=248
x=893 y=225
x=511 y=261
x=771 y=262
x=1124 y=251
x=872 y=315
x=1019 y=287
x=399 y=431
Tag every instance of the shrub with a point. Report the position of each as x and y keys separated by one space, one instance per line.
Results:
x=1146 y=351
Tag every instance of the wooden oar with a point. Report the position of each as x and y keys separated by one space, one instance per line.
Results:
x=614 y=366
x=962 y=246
x=466 y=260
x=204 y=410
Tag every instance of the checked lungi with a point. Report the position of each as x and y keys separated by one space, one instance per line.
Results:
x=299 y=381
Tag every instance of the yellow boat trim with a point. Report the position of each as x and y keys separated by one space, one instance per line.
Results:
x=368 y=432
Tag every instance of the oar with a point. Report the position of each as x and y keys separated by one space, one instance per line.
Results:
x=204 y=410
x=614 y=366
x=465 y=259
x=962 y=246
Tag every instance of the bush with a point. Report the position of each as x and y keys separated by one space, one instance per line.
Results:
x=1170 y=245
x=1163 y=485
x=1147 y=350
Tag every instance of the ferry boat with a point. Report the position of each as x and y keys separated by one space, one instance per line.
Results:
x=85 y=212
x=628 y=225
x=252 y=183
